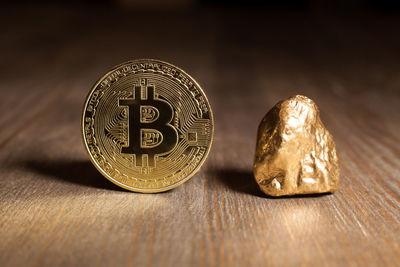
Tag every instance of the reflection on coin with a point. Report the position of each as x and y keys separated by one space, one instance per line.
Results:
x=147 y=126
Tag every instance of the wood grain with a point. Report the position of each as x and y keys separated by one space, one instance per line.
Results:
x=57 y=210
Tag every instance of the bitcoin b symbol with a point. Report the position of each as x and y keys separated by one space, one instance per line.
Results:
x=148 y=126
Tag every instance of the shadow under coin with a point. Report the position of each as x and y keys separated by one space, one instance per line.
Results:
x=80 y=172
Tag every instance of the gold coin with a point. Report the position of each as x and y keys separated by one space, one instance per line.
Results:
x=147 y=126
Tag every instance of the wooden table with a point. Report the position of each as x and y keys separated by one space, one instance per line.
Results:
x=57 y=210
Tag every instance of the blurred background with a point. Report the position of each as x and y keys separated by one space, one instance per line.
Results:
x=269 y=49
x=288 y=35
x=309 y=4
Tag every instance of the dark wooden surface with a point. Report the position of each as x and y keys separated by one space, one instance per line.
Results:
x=57 y=210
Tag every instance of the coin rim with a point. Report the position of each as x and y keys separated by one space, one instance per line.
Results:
x=111 y=179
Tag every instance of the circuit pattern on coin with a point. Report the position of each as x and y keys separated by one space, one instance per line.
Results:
x=147 y=126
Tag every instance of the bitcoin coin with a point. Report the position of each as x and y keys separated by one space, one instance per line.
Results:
x=147 y=126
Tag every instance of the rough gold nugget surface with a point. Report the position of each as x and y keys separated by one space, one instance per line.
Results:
x=295 y=154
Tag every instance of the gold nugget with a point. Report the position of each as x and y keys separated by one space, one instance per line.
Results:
x=295 y=154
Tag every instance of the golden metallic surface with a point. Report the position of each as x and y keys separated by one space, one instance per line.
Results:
x=295 y=154
x=147 y=126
